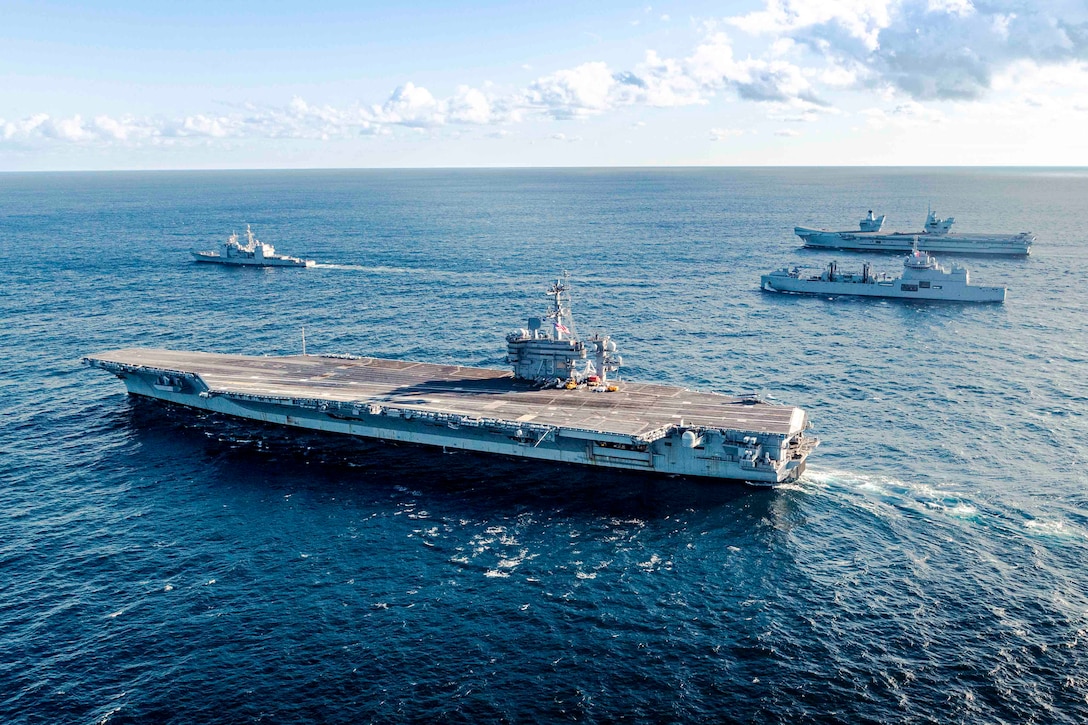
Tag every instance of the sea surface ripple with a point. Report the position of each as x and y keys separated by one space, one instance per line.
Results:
x=158 y=565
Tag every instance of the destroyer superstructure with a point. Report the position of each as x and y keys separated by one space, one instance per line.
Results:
x=559 y=404
x=923 y=279
x=254 y=253
x=936 y=236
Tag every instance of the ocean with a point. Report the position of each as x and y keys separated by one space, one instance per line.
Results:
x=163 y=566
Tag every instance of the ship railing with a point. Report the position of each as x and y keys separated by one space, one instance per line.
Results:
x=535 y=433
x=656 y=434
x=801 y=447
x=524 y=431
x=119 y=367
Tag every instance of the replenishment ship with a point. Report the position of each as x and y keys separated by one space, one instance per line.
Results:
x=923 y=279
x=936 y=236
x=254 y=253
x=558 y=404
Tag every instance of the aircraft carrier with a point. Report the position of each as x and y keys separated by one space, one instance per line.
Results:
x=936 y=236
x=558 y=404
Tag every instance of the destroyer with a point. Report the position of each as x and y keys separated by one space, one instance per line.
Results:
x=923 y=279
x=559 y=404
x=935 y=237
x=253 y=253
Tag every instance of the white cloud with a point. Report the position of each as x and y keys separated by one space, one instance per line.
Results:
x=927 y=49
x=961 y=8
x=797 y=113
x=916 y=112
x=201 y=125
x=297 y=120
x=573 y=93
x=116 y=129
x=1027 y=76
x=662 y=83
x=411 y=105
x=905 y=52
x=859 y=20
x=408 y=106
x=788 y=132
x=721 y=134
x=711 y=61
x=712 y=67
x=594 y=88
x=837 y=76
x=470 y=105
x=75 y=129
x=68 y=129
x=904 y=115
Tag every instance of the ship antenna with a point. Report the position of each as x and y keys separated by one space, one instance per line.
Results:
x=562 y=320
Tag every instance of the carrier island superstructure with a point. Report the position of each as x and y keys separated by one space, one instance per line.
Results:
x=559 y=404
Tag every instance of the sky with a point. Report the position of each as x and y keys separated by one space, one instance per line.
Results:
x=126 y=84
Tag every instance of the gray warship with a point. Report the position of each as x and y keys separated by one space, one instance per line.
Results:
x=923 y=279
x=936 y=236
x=558 y=404
x=254 y=253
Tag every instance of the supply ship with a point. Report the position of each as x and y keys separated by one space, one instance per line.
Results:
x=558 y=404
x=254 y=253
x=936 y=236
x=923 y=279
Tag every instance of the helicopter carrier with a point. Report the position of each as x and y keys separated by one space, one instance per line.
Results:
x=559 y=403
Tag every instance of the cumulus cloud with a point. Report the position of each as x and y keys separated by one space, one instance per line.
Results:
x=661 y=83
x=296 y=120
x=76 y=129
x=712 y=68
x=927 y=49
x=584 y=91
x=804 y=50
x=470 y=105
x=594 y=88
x=116 y=129
x=409 y=106
x=574 y=93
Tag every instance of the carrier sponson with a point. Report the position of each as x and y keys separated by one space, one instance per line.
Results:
x=727 y=437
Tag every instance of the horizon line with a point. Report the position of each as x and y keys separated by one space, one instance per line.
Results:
x=546 y=168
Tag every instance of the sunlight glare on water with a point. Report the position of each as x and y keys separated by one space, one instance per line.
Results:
x=166 y=566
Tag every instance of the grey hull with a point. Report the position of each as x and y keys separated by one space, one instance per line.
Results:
x=643 y=427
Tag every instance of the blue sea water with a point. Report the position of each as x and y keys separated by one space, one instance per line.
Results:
x=157 y=565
